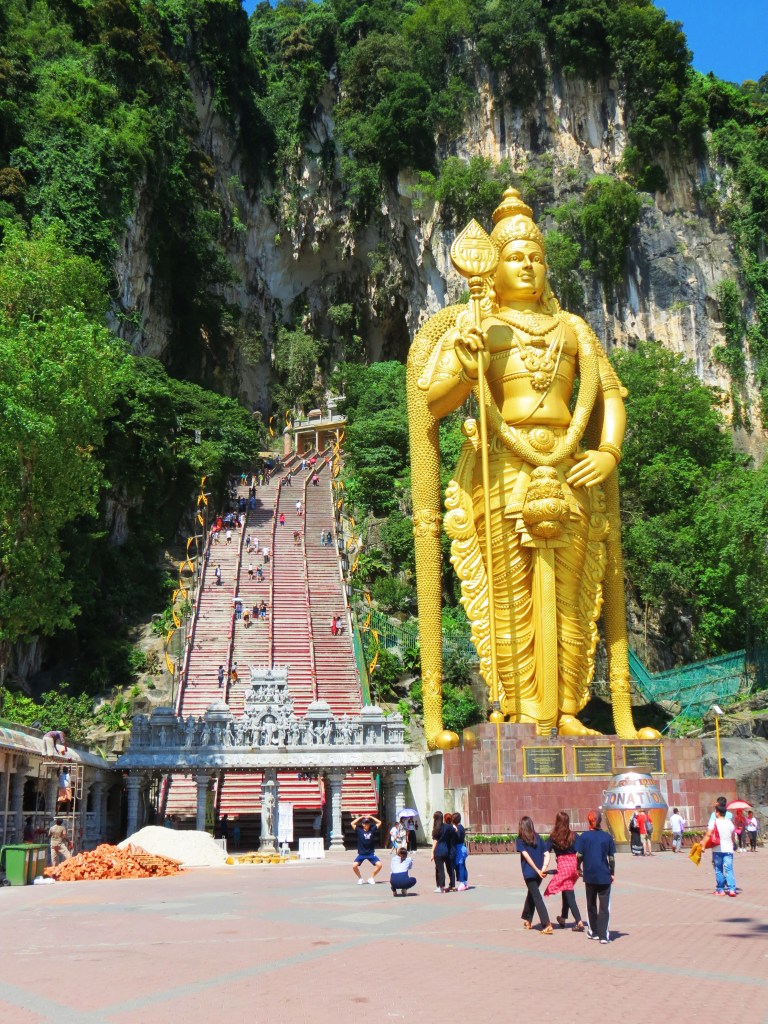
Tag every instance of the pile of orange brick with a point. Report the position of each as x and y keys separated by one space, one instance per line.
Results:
x=110 y=862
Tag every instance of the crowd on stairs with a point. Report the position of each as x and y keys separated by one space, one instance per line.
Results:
x=271 y=583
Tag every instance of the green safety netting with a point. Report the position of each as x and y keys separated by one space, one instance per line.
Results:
x=405 y=637
x=693 y=688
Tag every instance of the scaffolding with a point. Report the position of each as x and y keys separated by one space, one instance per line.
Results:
x=71 y=812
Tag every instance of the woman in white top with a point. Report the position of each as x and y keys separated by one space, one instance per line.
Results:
x=722 y=851
x=752 y=831
x=399 y=867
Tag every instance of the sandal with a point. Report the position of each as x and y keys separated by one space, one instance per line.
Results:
x=560 y=921
x=547 y=930
x=579 y=927
x=527 y=925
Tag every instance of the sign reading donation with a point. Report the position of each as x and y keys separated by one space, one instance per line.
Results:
x=544 y=761
x=649 y=758
x=593 y=760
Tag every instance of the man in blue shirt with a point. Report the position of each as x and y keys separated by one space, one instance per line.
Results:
x=596 y=863
x=365 y=826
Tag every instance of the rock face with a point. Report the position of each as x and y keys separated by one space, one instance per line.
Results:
x=395 y=270
x=745 y=760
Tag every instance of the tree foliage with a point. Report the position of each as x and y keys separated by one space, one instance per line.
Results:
x=84 y=428
x=695 y=513
x=56 y=709
x=59 y=377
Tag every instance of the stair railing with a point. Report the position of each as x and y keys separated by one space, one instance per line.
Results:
x=233 y=621
x=189 y=646
x=310 y=630
x=271 y=615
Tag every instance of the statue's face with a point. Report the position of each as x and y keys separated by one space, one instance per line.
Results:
x=521 y=273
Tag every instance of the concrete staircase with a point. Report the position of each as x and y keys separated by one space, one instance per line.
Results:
x=303 y=588
x=338 y=681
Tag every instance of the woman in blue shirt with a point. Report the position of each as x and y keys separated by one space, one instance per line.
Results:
x=444 y=851
x=534 y=859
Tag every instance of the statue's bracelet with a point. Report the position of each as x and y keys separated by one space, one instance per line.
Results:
x=466 y=379
x=611 y=449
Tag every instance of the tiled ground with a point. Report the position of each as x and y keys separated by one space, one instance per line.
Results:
x=303 y=944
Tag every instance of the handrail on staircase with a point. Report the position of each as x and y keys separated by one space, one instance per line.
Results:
x=189 y=646
x=272 y=576
x=311 y=634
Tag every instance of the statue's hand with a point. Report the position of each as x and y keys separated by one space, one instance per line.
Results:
x=471 y=351
x=591 y=468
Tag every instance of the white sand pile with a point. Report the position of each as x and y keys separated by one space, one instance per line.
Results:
x=193 y=849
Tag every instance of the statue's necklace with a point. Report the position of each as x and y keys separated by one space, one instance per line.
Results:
x=541 y=365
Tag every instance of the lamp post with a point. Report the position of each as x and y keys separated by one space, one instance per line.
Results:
x=718 y=712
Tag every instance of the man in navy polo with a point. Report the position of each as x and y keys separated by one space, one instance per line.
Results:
x=596 y=863
x=365 y=826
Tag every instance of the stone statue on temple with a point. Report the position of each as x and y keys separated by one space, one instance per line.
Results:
x=268 y=806
x=533 y=508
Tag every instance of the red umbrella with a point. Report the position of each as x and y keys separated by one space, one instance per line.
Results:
x=739 y=805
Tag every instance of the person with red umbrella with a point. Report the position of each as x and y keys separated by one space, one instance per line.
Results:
x=738 y=807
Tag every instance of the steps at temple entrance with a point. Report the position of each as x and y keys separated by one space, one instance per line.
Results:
x=301 y=596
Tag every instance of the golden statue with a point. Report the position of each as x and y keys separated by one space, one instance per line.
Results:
x=534 y=494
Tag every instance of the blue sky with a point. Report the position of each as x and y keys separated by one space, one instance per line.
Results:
x=727 y=38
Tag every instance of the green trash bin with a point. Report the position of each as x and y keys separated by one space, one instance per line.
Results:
x=37 y=860
x=17 y=863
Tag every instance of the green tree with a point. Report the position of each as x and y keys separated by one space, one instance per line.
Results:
x=694 y=512
x=59 y=377
x=601 y=221
x=297 y=355
x=55 y=709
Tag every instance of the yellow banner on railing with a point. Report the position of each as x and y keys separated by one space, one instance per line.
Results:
x=375 y=660
x=176 y=619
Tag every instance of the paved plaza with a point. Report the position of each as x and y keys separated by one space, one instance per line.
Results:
x=303 y=944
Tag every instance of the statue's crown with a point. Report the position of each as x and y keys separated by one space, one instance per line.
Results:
x=510 y=205
x=513 y=221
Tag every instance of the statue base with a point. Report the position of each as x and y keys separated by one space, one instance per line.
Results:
x=541 y=776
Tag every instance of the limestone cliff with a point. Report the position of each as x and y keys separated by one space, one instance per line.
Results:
x=395 y=270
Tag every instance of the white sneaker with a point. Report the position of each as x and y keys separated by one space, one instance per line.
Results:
x=371 y=881
x=461 y=887
x=361 y=881
x=439 y=890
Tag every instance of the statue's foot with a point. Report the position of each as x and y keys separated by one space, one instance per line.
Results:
x=647 y=733
x=567 y=725
x=446 y=740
